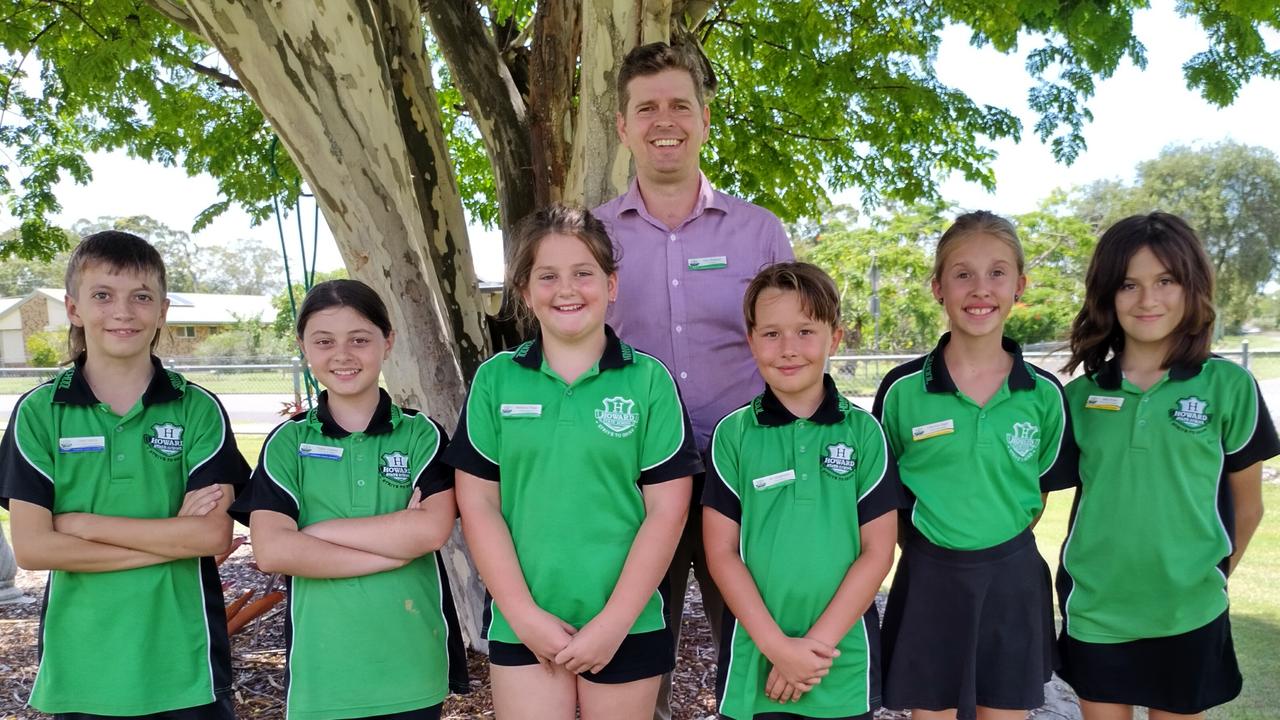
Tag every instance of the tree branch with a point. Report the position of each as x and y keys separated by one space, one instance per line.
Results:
x=223 y=79
x=491 y=94
x=177 y=15
x=75 y=11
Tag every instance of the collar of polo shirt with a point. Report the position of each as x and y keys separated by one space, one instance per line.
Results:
x=937 y=379
x=616 y=353
x=633 y=201
x=1110 y=376
x=770 y=411
x=385 y=417
x=73 y=389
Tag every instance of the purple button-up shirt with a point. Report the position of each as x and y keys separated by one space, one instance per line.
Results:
x=680 y=293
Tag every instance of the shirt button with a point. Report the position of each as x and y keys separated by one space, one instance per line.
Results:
x=672 y=236
x=679 y=328
x=675 y=281
x=982 y=416
x=360 y=483
x=569 y=392
x=1142 y=423
x=359 y=458
x=119 y=428
x=684 y=376
x=119 y=458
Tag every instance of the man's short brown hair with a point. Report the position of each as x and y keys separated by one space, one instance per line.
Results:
x=819 y=298
x=654 y=58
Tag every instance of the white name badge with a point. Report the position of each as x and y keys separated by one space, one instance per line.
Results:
x=932 y=430
x=1104 y=402
x=768 y=481
x=95 y=443
x=324 y=452
x=513 y=410
x=709 y=263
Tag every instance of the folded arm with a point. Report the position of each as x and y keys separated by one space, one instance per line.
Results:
x=422 y=527
x=37 y=545
x=278 y=546
x=201 y=527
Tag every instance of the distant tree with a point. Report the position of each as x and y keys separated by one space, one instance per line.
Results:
x=901 y=245
x=246 y=267
x=183 y=266
x=19 y=277
x=283 y=325
x=1058 y=246
x=1229 y=192
x=46 y=349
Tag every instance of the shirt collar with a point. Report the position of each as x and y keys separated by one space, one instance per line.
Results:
x=1110 y=376
x=385 y=417
x=770 y=411
x=937 y=379
x=708 y=199
x=616 y=353
x=73 y=389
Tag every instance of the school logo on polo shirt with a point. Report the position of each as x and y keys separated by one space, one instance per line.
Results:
x=839 y=460
x=395 y=468
x=618 y=418
x=1023 y=441
x=166 y=440
x=1190 y=414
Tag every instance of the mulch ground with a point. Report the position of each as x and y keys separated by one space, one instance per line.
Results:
x=258 y=657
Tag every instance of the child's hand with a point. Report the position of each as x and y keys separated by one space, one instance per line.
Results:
x=780 y=690
x=544 y=634
x=415 y=501
x=199 y=503
x=593 y=647
x=800 y=663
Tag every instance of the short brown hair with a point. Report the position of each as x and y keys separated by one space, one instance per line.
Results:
x=819 y=298
x=120 y=251
x=979 y=222
x=1096 y=333
x=654 y=58
x=559 y=220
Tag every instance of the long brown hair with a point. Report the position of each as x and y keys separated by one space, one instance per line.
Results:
x=1096 y=333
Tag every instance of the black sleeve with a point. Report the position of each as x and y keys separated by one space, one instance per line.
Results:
x=1064 y=471
x=462 y=455
x=226 y=465
x=716 y=492
x=273 y=485
x=435 y=476
x=886 y=496
x=26 y=476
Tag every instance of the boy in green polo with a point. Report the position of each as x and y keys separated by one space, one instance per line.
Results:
x=118 y=474
x=798 y=522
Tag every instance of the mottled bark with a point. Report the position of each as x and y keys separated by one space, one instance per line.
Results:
x=557 y=36
x=346 y=86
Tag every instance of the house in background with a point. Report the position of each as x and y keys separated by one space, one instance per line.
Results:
x=192 y=318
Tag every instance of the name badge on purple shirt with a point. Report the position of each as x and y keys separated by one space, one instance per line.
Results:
x=719 y=262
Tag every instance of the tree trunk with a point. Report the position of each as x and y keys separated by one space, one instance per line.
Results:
x=8 y=571
x=347 y=88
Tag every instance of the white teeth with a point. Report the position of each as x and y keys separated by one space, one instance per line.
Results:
x=568 y=308
x=666 y=142
x=345 y=373
x=980 y=311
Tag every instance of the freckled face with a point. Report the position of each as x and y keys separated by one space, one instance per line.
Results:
x=977 y=285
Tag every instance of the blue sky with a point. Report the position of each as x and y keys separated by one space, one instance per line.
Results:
x=1136 y=114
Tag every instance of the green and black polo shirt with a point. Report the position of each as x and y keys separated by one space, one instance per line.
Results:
x=377 y=644
x=128 y=642
x=976 y=472
x=1153 y=523
x=571 y=459
x=801 y=488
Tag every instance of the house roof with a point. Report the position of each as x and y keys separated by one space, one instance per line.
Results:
x=8 y=303
x=194 y=308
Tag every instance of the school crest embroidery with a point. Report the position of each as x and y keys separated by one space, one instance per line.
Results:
x=1190 y=413
x=839 y=460
x=165 y=440
x=1023 y=441
x=618 y=418
x=395 y=468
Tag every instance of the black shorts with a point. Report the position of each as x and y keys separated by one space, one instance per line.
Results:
x=219 y=709
x=968 y=628
x=1187 y=673
x=640 y=656
x=429 y=713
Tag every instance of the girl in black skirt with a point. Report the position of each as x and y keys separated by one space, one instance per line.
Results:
x=981 y=436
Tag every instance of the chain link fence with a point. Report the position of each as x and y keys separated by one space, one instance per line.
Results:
x=860 y=375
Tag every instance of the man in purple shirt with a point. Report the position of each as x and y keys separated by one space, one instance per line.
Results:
x=688 y=252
